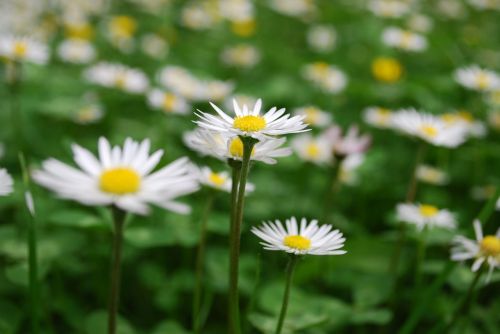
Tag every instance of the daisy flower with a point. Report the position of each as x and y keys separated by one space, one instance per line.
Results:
x=23 y=49
x=120 y=176
x=113 y=75
x=223 y=146
x=404 y=39
x=378 y=117
x=475 y=78
x=154 y=46
x=431 y=175
x=463 y=118
x=308 y=238
x=349 y=167
x=298 y=8
x=321 y=38
x=77 y=51
x=242 y=55
x=485 y=249
x=220 y=181
x=325 y=76
x=314 y=116
x=387 y=69
x=316 y=150
x=168 y=102
x=429 y=128
x=6 y=183
x=346 y=144
x=422 y=215
x=250 y=123
x=389 y=8
x=88 y=114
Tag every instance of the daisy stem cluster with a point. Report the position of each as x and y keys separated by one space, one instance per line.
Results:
x=200 y=263
x=116 y=256
x=290 y=269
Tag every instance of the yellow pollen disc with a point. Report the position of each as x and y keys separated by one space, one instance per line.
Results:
x=120 y=181
x=297 y=242
x=383 y=115
x=387 y=69
x=123 y=26
x=169 y=102
x=20 y=49
x=429 y=131
x=120 y=80
x=406 y=39
x=466 y=116
x=79 y=31
x=312 y=115
x=244 y=28
x=249 y=123
x=236 y=148
x=482 y=81
x=490 y=245
x=216 y=179
x=312 y=150
x=321 y=68
x=428 y=211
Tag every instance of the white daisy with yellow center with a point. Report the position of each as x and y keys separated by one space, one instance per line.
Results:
x=431 y=175
x=308 y=238
x=404 y=39
x=76 y=51
x=6 y=183
x=322 y=38
x=314 y=116
x=168 y=102
x=23 y=49
x=327 y=77
x=250 y=123
x=317 y=150
x=378 y=117
x=218 y=180
x=484 y=250
x=113 y=75
x=425 y=215
x=241 y=55
x=89 y=113
x=121 y=177
x=475 y=78
x=389 y=8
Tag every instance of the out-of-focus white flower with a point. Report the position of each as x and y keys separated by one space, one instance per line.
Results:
x=298 y=8
x=236 y=10
x=484 y=250
x=378 y=117
x=420 y=23
x=425 y=215
x=154 y=46
x=121 y=31
x=314 y=116
x=432 y=175
x=154 y=7
x=322 y=38
x=494 y=119
x=485 y=4
x=6 y=183
x=197 y=17
x=404 y=39
x=79 y=28
x=23 y=49
x=430 y=128
x=327 y=77
x=89 y=113
x=346 y=144
x=389 y=8
x=21 y=17
x=217 y=90
x=348 y=168
x=113 y=75
x=77 y=51
x=241 y=99
x=451 y=8
x=242 y=55
x=168 y=102
x=220 y=181
x=317 y=150
x=476 y=78
x=463 y=118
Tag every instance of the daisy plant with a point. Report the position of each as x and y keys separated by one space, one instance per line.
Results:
x=251 y=127
x=123 y=179
x=298 y=240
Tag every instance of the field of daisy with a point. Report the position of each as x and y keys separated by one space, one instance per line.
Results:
x=249 y=166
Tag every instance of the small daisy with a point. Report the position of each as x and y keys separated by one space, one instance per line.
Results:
x=475 y=78
x=250 y=123
x=180 y=81
x=404 y=39
x=378 y=117
x=297 y=8
x=321 y=38
x=387 y=69
x=88 y=114
x=428 y=127
x=314 y=116
x=431 y=175
x=195 y=16
x=154 y=46
x=220 y=181
x=121 y=177
x=216 y=90
x=309 y=238
x=422 y=215
x=389 y=8
x=6 y=183
x=242 y=55
x=325 y=76
x=168 y=102
x=23 y=49
x=118 y=76
x=485 y=249
x=121 y=31
x=346 y=144
x=76 y=51
x=349 y=167
x=316 y=150
x=463 y=118
x=420 y=23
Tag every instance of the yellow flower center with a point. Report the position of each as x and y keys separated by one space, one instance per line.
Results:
x=169 y=102
x=406 y=39
x=490 y=245
x=249 y=123
x=428 y=211
x=20 y=49
x=321 y=68
x=244 y=28
x=313 y=150
x=312 y=115
x=120 y=80
x=482 y=81
x=387 y=69
x=429 y=131
x=123 y=26
x=383 y=115
x=216 y=179
x=120 y=181
x=236 y=148
x=297 y=242
x=79 y=31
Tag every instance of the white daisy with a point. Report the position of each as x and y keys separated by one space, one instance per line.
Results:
x=154 y=46
x=241 y=55
x=121 y=30
x=321 y=38
x=309 y=238
x=223 y=146
x=348 y=143
x=250 y=123
x=327 y=77
x=121 y=177
x=389 y=8
x=431 y=175
x=6 y=183
x=348 y=168
x=404 y=39
x=180 y=81
x=378 y=117
x=298 y=8
x=88 y=114
x=316 y=150
x=168 y=102
x=420 y=23
x=221 y=181
x=485 y=249
x=113 y=75
x=23 y=49
x=422 y=215
x=476 y=78
x=216 y=90
x=314 y=116
x=473 y=127
x=428 y=127
x=77 y=51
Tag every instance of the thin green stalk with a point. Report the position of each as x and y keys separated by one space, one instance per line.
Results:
x=234 y=241
x=289 y=277
x=200 y=262
x=332 y=188
x=422 y=246
x=14 y=85
x=114 y=293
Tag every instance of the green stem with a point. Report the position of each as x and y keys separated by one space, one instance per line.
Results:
x=289 y=277
x=234 y=239
x=114 y=294
x=200 y=263
x=332 y=187
x=14 y=84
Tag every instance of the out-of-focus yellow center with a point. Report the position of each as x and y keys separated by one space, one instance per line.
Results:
x=312 y=115
x=383 y=116
x=20 y=49
x=216 y=179
x=313 y=150
x=120 y=181
x=297 y=242
x=428 y=211
x=236 y=148
x=169 y=101
x=321 y=68
x=79 y=31
x=429 y=131
x=406 y=39
x=387 y=69
x=244 y=28
x=482 y=80
x=249 y=123
x=490 y=245
x=123 y=26
x=120 y=80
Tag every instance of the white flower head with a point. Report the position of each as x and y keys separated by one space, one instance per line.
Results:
x=250 y=123
x=241 y=55
x=168 y=102
x=154 y=46
x=378 y=117
x=220 y=181
x=389 y=8
x=327 y=77
x=420 y=23
x=404 y=39
x=6 y=183
x=475 y=78
x=425 y=215
x=322 y=38
x=431 y=175
x=316 y=150
x=314 y=116
x=297 y=8
x=484 y=250
x=349 y=167
x=89 y=113
x=23 y=49
x=120 y=176
x=117 y=76
x=474 y=128
x=351 y=142
x=76 y=51
x=308 y=238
